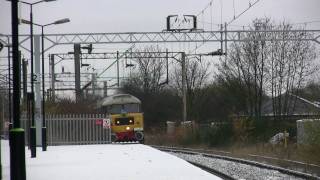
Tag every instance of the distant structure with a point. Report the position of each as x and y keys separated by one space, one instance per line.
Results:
x=296 y=106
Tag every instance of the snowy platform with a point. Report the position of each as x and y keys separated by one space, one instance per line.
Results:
x=98 y=162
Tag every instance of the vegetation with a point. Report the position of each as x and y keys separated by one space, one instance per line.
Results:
x=226 y=107
x=230 y=110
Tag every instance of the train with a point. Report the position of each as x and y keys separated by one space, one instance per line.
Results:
x=126 y=116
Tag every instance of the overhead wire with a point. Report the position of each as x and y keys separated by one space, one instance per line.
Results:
x=221 y=15
x=221 y=7
x=206 y=7
x=247 y=26
x=211 y=16
x=234 y=10
x=250 y=6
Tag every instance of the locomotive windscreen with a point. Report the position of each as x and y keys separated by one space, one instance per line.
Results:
x=118 y=108
x=124 y=121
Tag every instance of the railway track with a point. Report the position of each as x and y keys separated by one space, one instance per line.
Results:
x=228 y=167
x=213 y=171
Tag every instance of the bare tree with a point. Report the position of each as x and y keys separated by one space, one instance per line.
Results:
x=148 y=83
x=247 y=63
x=291 y=64
x=197 y=73
x=150 y=70
x=270 y=67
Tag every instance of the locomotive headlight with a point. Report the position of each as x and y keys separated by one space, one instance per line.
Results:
x=127 y=128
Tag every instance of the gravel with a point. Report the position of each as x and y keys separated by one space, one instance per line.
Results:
x=236 y=170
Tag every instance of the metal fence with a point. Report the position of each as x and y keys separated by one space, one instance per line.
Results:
x=69 y=129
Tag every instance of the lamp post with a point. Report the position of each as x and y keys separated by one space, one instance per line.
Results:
x=32 y=128
x=44 y=129
x=16 y=135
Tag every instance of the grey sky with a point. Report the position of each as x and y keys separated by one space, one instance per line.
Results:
x=149 y=15
x=95 y=16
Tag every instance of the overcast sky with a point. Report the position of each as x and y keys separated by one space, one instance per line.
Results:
x=149 y=15
x=98 y=16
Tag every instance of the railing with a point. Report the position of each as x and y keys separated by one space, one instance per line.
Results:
x=69 y=129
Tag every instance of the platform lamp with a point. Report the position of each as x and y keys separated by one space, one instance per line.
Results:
x=32 y=128
x=44 y=129
x=16 y=134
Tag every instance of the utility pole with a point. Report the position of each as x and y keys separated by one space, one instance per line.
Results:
x=37 y=94
x=53 y=92
x=43 y=111
x=184 y=91
x=118 y=76
x=77 y=52
x=93 y=79
x=33 y=126
x=24 y=76
x=225 y=40
x=105 y=88
x=221 y=38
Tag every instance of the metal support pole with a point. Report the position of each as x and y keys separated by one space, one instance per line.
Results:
x=225 y=39
x=93 y=80
x=105 y=88
x=53 y=79
x=44 y=129
x=9 y=84
x=184 y=92
x=221 y=38
x=20 y=80
x=31 y=53
x=118 y=76
x=167 y=64
x=77 y=52
x=24 y=76
x=32 y=128
x=37 y=90
x=17 y=149
x=29 y=104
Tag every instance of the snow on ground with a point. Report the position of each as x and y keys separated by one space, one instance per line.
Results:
x=99 y=162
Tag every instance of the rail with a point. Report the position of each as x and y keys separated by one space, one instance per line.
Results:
x=237 y=160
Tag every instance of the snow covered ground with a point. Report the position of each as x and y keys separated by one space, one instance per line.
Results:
x=99 y=162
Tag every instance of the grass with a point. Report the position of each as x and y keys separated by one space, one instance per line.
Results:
x=306 y=154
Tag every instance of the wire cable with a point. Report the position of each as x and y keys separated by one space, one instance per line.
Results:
x=221 y=14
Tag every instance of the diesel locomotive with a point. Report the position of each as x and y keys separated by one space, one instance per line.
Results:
x=124 y=111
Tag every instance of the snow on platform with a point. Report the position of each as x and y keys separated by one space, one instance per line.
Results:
x=99 y=162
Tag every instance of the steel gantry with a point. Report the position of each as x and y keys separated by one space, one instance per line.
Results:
x=173 y=37
x=117 y=56
x=114 y=55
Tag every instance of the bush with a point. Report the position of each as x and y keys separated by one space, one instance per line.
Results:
x=188 y=136
x=216 y=135
x=243 y=129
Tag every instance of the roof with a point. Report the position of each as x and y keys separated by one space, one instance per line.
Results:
x=120 y=99
x=297 y=106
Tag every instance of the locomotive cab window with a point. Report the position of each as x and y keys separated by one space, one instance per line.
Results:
x=118 y=108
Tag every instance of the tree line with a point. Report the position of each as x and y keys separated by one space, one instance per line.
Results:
x=252 y=73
